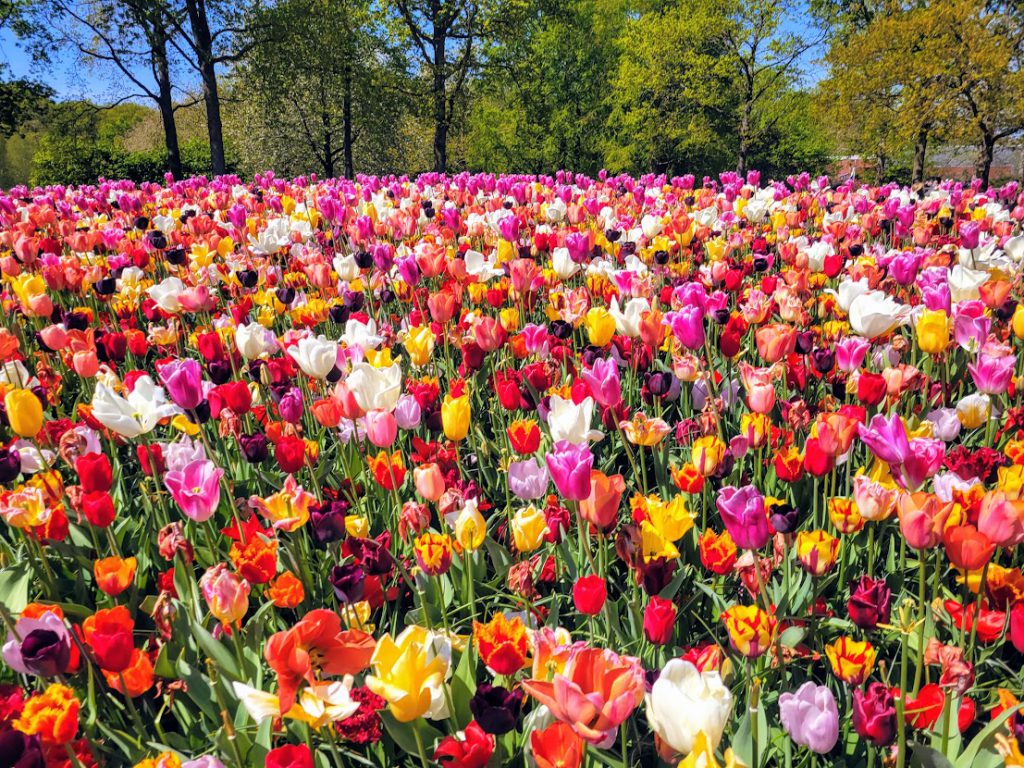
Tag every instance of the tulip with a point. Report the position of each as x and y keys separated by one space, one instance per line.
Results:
x=24 y=412
x=557 y=746
x=922 y=519
x=601 y=507
x=1000 y=519
x=419 y=343
x=595 y=692
x=932 y=329
x=600 y=326
x=967 y=548
x=409 y=674
x=455 y=416
x=39 y=645
x=184 y=382
x=743 y=512
x=528 y=479
x=52 y=716
x=751 y=630
x=226 y=595
x=684 y=703
x=196 y=488
x=817 y=551
x=315 y=355
x=603 y=380
x=381 y=428
x=529 y=527
x=570 y=467
x=874 y=714
x=589 y=594
x=113 y=574
x=687 y=326
x=810 y=717
x=992 y=374
x=569 y=422
x=851 y=660
x=659 y=621
x=473 y=749
x=707 y=454
x=869 y=603
x=470 y=527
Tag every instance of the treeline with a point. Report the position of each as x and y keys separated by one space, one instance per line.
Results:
x=370 y=86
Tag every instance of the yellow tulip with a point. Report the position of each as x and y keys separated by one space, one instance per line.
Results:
x=24 y=412
x=455 y=412
x=600 y=326
x=932 y=330
x=1018 y=321
x=470 y=528
x=407 y=673
x=419 y=344
x=528 y=528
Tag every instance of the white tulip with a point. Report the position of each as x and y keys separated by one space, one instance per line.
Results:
x=570 y=422
x=684 y=701
x=375 y=389
x=166 y=294
x=362 y=335
x=627 y=322
x=251 y=340
x=563 y=265
x=135 y=415
x=875 y=313
x=315 y=355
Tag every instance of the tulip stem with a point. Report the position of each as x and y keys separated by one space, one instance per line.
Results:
x=976 y=619
x=419 y=743
x=901 y=722
x=922 y=612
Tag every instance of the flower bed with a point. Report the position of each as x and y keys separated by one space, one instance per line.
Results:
x=483 y=470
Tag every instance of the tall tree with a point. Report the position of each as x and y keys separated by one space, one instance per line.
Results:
x=768 y=60
x=346 y=94
x=131 y=36
x=214 y=33
x=444 y=35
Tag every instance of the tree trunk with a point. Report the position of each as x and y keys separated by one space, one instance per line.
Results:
x=983 y=169
x=207 y=71
x=440 y=104
x=328 y=150
x=166 y=100
x=920 y=153
x=744 y=152
x=346 y=123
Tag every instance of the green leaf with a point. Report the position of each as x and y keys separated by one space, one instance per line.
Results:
x=922 y=756
x=403 y=734
x=463 y=686
x=792 y=636
x=14 y=583
x=972 y=756
x=223 y=658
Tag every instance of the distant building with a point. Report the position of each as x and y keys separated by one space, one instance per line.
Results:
x=959 y=163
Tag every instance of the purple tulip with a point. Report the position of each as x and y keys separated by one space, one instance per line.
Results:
x=184 y=382
x=887 y=438
x=810 y=717
x=742 y=511
x=570 y=466
x=992 y=374
x=528 y=479
x=687 y=326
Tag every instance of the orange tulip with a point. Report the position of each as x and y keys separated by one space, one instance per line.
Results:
x=286 y=591
x=595 y=693
x=52 y=715
x=314 y=647
x=136 y=679
x=501 y=643
x=113 y=574
x=967 y=548
x=775 y=342
x=557 y=746
x=601 y=508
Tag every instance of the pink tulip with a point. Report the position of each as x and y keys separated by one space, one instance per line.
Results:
x=196 y=488
x=381 y=428
x=569 y=465
x=603 y=379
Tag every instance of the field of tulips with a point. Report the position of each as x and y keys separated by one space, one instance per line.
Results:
x=537 y=471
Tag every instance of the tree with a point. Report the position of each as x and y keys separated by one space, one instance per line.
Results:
x=444 y=35
x=342 y=102
x=768 y=62
x=541 y=99
x=673 y=97
x=214 y=33
x=132 y=36
x=982 y=48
